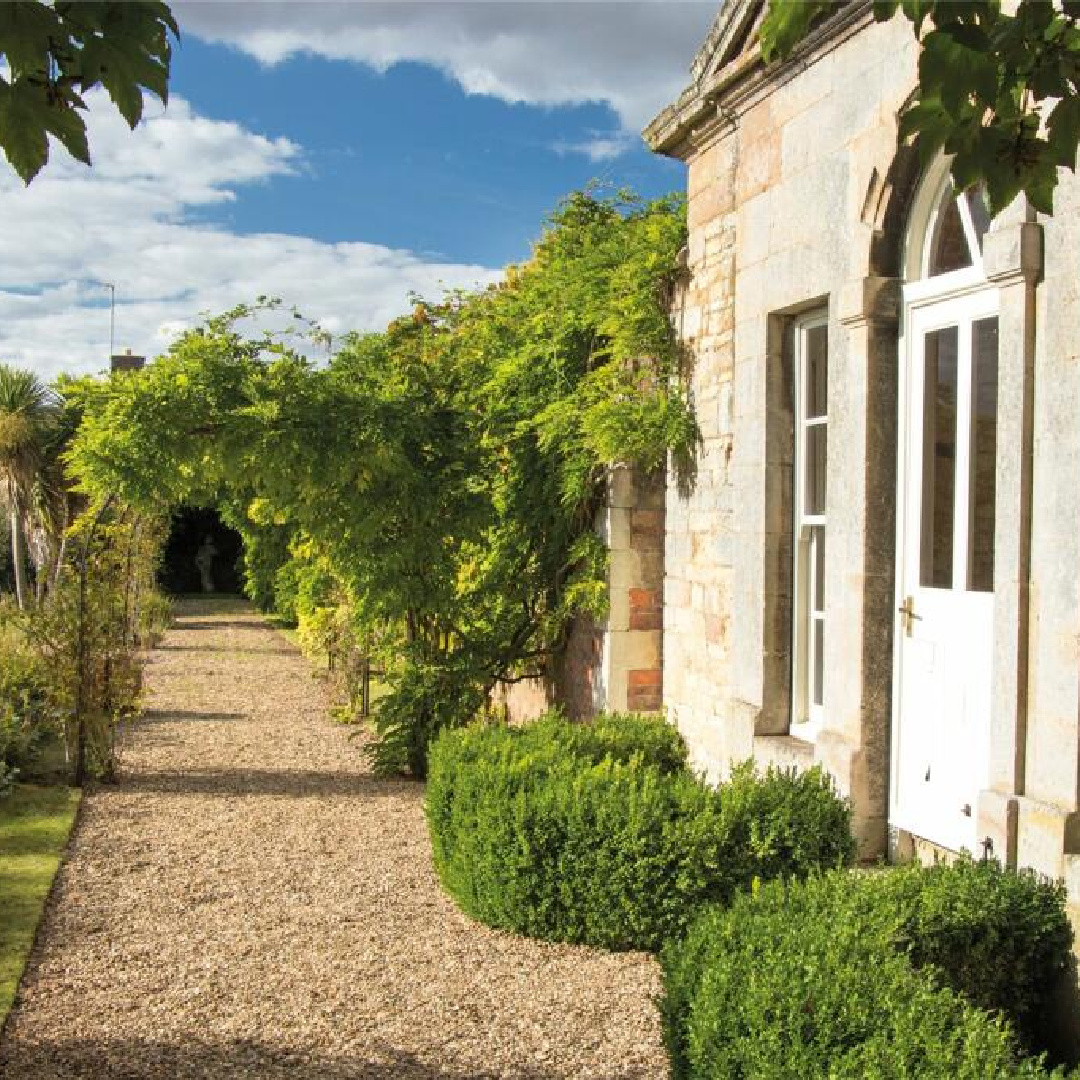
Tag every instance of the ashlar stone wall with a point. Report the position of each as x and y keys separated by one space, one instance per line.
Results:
x=789 y=189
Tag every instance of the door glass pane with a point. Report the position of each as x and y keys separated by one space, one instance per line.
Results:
x=817 y=372
x=818 y=630
x=984 y=381
x=816 y=462
x=948 y=245
x=939 y=458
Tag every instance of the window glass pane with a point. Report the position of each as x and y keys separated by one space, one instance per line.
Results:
x=818 y=560
x=816 y=462
x=984 y=379
x=948 y=245
x=817 y=372
x=939 y=458
x=817 y=628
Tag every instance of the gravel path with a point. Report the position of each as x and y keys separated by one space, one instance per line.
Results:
x=251 y=902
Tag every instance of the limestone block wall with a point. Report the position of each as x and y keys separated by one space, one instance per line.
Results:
x=1048 y=829
x=799 y=194
x=786 y=191
x=701 y=528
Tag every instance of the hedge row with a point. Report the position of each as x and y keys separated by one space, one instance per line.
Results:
x=872 y=975
x=599 y=834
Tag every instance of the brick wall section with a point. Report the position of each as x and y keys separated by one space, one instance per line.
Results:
x=616 y=665
x=645 y=689
x=646 y=609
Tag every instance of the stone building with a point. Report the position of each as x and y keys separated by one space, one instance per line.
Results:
x=878 y=567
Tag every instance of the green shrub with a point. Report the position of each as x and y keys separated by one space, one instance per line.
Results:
x=24 y=712
x=598 y=833
x=424 y=699
x=618 y=736
x=861 y=975
x=784 y=823
x=1002 y=939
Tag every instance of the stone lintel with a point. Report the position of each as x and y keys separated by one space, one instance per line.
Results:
x=872 y=299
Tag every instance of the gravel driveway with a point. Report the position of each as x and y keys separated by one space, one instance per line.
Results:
x=251 y=902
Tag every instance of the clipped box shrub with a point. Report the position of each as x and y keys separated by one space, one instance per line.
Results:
x=619 y=736
x=1000 y=938
x=599 y=833
x=879 y=974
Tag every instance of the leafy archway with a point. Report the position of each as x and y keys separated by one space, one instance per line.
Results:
x=428 y=494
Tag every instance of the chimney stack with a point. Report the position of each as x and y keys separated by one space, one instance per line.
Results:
x=126 y=361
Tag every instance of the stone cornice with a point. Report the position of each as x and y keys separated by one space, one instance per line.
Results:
x=716 y=98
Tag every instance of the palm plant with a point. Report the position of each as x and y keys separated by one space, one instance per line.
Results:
x=28 y=413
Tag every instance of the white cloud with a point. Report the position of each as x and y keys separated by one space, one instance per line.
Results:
x=131 y=220
x=635 y=57
x=599 y=146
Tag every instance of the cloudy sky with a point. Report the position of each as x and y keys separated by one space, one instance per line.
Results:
x=339 y=156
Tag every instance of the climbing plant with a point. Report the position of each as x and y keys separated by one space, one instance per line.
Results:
x=444 y=474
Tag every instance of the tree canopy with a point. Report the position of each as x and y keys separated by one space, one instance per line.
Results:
x=998 y=90
x=442 y=476
x=56 y=52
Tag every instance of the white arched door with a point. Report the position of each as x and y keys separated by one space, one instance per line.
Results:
x=946 y=519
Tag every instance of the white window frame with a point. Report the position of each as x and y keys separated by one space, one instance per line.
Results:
x=807 y=715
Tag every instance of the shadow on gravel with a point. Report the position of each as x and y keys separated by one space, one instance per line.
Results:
x=253 y=623
x=139 y=1059
x=282 y=650
x=285 y=783
x=182 y=714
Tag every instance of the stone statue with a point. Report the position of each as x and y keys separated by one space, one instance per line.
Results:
x=204 y=560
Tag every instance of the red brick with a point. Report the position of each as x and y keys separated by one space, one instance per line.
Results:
x=644 y=699
x=645 y=599
x=646 y=620
x=641 y=677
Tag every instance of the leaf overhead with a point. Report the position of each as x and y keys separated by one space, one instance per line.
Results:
x=998 y=86
x=56 y=52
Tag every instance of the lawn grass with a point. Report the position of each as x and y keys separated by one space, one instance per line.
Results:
x=34 y=827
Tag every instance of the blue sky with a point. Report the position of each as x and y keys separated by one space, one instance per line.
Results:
x=338 y=155
x=406 y=158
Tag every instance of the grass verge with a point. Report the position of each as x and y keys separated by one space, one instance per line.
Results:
x=34 y=826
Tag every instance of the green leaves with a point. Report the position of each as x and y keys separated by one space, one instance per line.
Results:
x=786 y=23
x=987 y=81
x=57 y=52
x=445 y=472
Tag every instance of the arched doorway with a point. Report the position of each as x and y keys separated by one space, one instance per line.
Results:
x=201 y=550
x=945 y=517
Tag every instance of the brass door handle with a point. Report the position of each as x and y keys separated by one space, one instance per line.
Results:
x=907 y=612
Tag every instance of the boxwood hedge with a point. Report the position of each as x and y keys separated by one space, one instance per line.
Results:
x=598 y=833
x=878 y=974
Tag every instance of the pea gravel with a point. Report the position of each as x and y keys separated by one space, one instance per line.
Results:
x=250 y=902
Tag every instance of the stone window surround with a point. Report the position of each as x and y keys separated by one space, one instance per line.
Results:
x=808 y=532
x=775 y=715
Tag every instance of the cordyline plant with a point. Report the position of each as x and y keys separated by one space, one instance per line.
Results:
x=441 y=478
